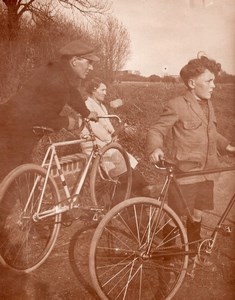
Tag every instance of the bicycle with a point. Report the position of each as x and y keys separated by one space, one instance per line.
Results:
x=31 y=207
x=132 y=256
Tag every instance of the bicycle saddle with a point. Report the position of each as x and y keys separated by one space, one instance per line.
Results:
x=40 y=131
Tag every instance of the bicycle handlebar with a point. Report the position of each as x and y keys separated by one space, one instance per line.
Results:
x=87 y=121
x=110 y=117
x=167 y=165
x=120 y=127
x=160 y=165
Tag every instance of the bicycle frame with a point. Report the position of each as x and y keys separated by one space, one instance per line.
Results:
x=134 y=239
x=50 y=157
x=172 y=177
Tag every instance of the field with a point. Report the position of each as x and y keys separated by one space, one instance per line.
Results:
x=65 y=274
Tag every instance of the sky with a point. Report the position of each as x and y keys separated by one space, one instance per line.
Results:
x=166 y=34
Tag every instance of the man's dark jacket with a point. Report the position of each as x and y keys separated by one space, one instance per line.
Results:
x=42 y=98
x=38 y=103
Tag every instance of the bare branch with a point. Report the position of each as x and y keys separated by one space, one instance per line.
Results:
x=25 y=7
x=87 y=7
x=44 y=9
x=115 y=45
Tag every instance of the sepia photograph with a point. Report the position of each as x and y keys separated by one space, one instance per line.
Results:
x=117 y=149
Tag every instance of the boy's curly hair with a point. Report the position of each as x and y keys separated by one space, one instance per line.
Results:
x=196 y=67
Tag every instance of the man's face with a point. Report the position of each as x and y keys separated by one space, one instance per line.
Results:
x=203 y=85
x=81 y=66
x=100 y=93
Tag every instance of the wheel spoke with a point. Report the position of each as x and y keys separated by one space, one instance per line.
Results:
x=130 y=256
x=110 y=176
x=24 y=242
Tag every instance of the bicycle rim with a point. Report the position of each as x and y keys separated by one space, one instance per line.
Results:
x=24 y=242
x=111 y=177
x=122 y=263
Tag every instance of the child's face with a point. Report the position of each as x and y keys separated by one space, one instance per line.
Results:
x=203 y=85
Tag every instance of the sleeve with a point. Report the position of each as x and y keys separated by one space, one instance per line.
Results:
x=43 y=97
x=50 y=104
x=56 y=94
x=157 y=132
x=77 y=103
x=58 y=122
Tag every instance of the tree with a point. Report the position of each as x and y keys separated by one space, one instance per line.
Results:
x=46 y=8
x=114 y=43
x=168 y=79
x=154 y=78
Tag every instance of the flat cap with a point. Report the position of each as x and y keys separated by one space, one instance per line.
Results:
x=79 y=48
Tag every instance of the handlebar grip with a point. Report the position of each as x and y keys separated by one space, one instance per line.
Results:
x=111 y=117
x=160 y=164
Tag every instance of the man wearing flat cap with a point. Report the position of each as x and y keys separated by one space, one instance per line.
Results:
x=40 y=101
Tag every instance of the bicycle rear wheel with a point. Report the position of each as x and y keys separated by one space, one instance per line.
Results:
x=25 y=242
x=111 y=176
x=131 y=256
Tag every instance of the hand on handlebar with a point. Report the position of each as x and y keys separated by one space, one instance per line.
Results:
x=156 y=156
x=93 y=116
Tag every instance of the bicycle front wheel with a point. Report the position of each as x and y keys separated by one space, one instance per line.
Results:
x=111 y=176
x=132 y=256
x=26 y=242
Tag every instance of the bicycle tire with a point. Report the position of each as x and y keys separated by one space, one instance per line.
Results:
x=24 y=242
x=107 y=186
x=120 y=265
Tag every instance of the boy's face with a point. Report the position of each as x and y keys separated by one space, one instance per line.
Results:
x=202 y=86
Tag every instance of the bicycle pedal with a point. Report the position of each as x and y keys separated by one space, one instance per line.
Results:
x=90 y=218
x=95 y=217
